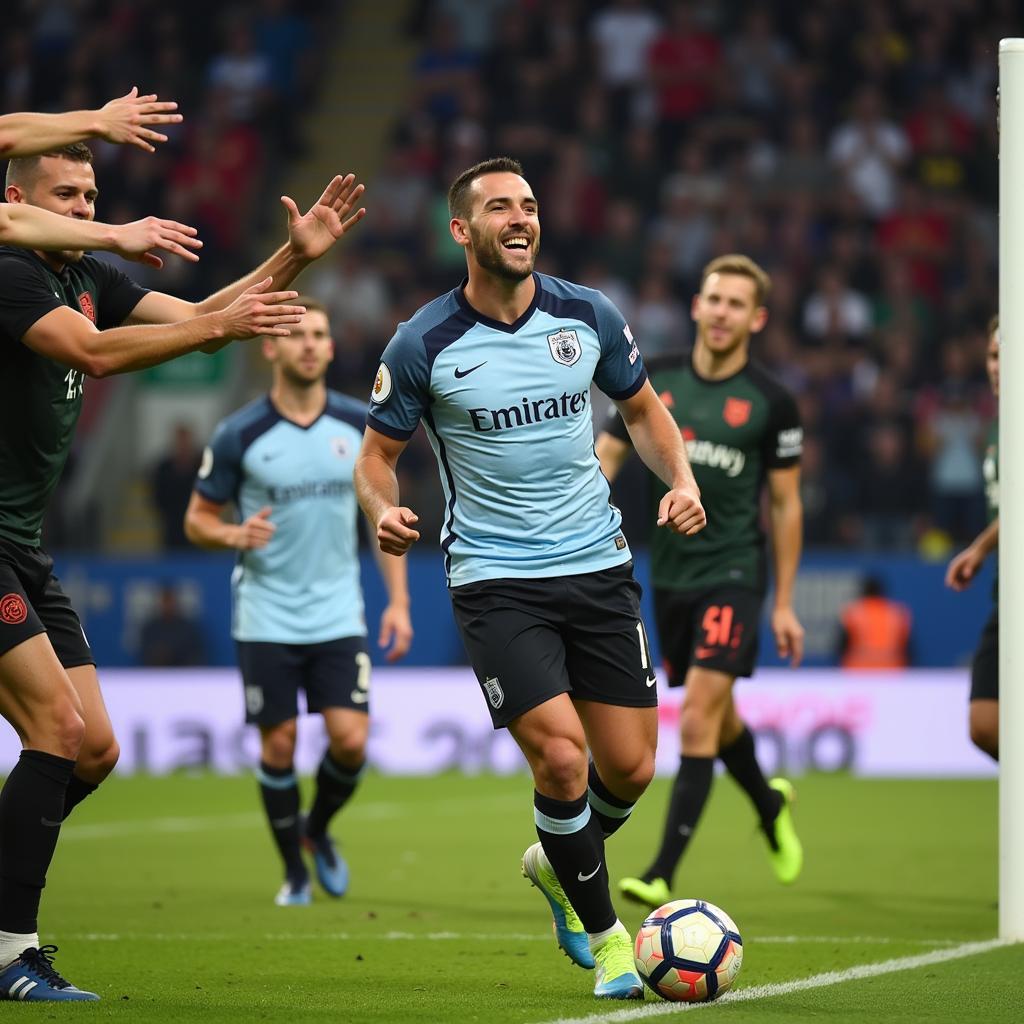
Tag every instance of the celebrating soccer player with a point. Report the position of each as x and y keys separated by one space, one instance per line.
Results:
x=59 y=322
x=741 y=428
x=499 y=370
x=286 y=462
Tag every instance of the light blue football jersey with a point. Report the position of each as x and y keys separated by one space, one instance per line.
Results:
x=303 y=587
x=507 y=411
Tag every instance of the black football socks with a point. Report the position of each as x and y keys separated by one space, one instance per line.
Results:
x=31 y=811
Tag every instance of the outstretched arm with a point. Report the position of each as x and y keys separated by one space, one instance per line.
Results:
x=34 y=228
x=786 y=515
x=309 y=237
x=66 y=336
x=377 y=489
x=205 y=527
x=125 y=120
x=658 y=442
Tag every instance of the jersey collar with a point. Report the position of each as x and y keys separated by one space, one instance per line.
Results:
x=480 y=318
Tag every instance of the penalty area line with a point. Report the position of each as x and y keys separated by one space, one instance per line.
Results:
x=785 y=988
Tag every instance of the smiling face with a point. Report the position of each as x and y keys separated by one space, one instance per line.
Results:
x=726 y=313
x=62 y=186
x=501 y=235
x=302 y=358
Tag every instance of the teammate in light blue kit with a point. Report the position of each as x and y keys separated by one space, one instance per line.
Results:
x=286 y=462
x=499 y=370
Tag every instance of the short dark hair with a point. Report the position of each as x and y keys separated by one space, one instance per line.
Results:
x=312 y=305
x=458 y=194
x=23 y=170
x=742 y=266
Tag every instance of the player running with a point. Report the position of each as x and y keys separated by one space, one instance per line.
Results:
x=742 y=430
x=499 y=371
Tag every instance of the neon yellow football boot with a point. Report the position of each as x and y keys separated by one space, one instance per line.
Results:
x=651 y=894
x=616 y=976
x=568 y=928
x=785 y=850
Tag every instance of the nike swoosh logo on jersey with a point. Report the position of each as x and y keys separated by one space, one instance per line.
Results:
x=465 y=373
x=267 y=456
x=586 y=878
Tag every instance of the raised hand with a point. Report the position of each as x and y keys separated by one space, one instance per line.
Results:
x=125 y=119
x=258 y=312
x=313 y=233
x=135 y=241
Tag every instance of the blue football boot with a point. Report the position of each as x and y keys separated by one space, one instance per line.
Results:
x=32 y=978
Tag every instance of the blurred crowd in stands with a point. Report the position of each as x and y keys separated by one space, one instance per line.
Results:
x=849 y=146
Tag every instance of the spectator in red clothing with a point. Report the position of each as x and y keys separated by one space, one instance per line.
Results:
x=917 y=230
x=683 y=63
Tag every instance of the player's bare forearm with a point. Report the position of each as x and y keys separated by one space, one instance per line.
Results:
x=988 y=540
x=395 y=575
x=283 y=267
x=206 y=529
x=32 y=227
x=376 y=484
x=27 y=134
x=786 y=517
x=656 y=438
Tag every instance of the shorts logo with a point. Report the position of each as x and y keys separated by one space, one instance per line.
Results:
x=495 y=694
x=381 y=384
x=736 y=411
x=253 y=699
x=85 y=304
x=13 y=609
x=565 y=347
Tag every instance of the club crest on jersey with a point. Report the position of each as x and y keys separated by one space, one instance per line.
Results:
x=565 y=347
x=339 y=446
x=736 y=411
x=495 y=694
x=85 y=304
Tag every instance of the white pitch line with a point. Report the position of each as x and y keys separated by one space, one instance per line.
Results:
x=757 y=992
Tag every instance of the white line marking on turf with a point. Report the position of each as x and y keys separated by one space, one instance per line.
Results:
x=746 y=995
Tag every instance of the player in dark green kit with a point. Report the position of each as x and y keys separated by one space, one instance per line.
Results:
x=984 y=707
x=61 y=317
x=742 y=430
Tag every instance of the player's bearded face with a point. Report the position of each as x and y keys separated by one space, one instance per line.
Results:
x=502 y=252
x=304 y=356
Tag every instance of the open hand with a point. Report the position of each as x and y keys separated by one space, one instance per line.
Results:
x=135 y=241
x=313 y=233
x=126 y=119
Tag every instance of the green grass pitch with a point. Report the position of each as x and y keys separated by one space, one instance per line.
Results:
x=160 y=898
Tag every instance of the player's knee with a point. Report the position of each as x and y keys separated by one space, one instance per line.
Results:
x=278 y=746
x=64 y=730
x=96 y=763
x=696 y=725
x=563 y=769
x=349 y=748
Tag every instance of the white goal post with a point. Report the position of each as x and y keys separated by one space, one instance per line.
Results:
x=1011 y=489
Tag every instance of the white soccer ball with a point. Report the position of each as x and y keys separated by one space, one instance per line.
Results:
x=688 y=951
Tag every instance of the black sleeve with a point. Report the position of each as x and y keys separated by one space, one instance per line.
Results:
x=784 y=436
x=118 y=293
x=25 y=296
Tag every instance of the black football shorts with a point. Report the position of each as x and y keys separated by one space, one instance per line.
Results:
x=716 y=628
x=32 y=602
x=333 y=674
x=529 y=640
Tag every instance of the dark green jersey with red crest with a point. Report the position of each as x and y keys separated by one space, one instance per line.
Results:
x=40 y=398
x=735 y=431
